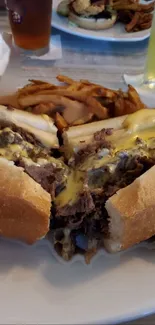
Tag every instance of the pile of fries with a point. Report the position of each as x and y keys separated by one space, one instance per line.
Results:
x=134 y=15
x=74 y=102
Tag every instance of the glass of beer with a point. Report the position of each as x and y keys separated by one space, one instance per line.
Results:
x=30 y=22
x=147 y=79
x=149 y=76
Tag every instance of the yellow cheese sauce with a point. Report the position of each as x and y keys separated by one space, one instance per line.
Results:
x=124 y=141
x=74 y=186
x=22 y=150
x=138 y=125
x=12 y=151
x=140 y=120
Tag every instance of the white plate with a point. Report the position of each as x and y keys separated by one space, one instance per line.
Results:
x=37 y=289
x=116 y=34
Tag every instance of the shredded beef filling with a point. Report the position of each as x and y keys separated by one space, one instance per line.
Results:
x=98 y=143
x=85 y=231
x=26 y=151
x=49 y=176
x=25 y=135
x=27 y=144
x=84 y=203
x=79 y=224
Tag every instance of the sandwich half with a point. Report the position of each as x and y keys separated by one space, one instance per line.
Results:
x=116 y=171
x=99 y=194
x=30 y=175
x=131 y=213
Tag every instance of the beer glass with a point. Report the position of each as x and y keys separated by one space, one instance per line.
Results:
x=147 y=79
x=30 y=22
x=149 y=75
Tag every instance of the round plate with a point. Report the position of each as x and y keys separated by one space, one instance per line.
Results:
x=116 y=34
x=38 y=288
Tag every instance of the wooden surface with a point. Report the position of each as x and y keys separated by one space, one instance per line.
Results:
x=101 y=62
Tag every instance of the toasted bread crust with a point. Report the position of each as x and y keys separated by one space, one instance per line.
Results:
x=132 y=213
x=24 y=205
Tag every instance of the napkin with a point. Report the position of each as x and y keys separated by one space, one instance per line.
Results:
x=4 y=55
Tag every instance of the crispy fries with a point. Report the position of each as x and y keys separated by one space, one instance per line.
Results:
x=129 y=27
x=97 y=109
x=34 y=88
x=134 y=98
x=65 y=79
x=60 y=122
x=135 y=15
x=37 y=82
x=76 y=103
x=10 y=100
x=135 y=6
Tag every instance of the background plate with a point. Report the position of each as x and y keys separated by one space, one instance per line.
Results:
x=116 y=34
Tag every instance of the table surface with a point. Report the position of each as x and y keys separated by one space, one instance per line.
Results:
x=98 y=61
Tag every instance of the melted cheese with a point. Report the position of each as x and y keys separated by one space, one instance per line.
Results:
x=73 y=188
x=140 y=120
x=121 y=140
x=140 y=124
x=12 y=149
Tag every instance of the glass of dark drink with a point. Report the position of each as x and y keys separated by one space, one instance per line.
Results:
x=30 y=22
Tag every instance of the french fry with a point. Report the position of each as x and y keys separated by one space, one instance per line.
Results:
x=83 y=120
x=134 y=98
x=129 y=27
x=105 y=92
x=36 y=99
x=34 y=88
x=80 y=95
x=146 y=25
x=10 y=100
x=60 y=122
x=38 y=82
x=119 y=106
x=65 y=79
x=133 y=6
x=124 y=106
x=99 y=90
x=75 y=86
x=96 y=108
x=72 y=109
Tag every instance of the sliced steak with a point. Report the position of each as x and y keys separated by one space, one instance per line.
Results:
x=26 y=136
x=50 y=177
x=83 y=205
x=99 y=142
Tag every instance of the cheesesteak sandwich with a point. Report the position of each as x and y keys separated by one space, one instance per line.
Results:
x=95 y=191
x=109 y=197
x=28 y=171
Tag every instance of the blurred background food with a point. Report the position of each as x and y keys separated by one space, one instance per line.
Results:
x=102 y=14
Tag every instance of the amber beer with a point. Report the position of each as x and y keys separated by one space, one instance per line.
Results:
x=30 y=22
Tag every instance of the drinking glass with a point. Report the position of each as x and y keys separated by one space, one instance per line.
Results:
x=147 y=79
x=149 y=75
x=30 y=22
